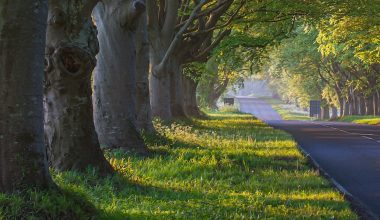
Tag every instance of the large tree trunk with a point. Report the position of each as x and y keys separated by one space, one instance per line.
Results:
x=190 y=97
x=162 y=32
x=143 y=108
x=176 y=91
x=70 y=53
x=160 y=91
x=115 y=75
x=23 y=161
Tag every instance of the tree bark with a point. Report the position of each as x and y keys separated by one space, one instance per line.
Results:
x=369 y=105
x=341 y=106
x=362 y=110
x=346 y=109
x=334 y=113
x=71 y=48
x=176 y=94
x=23 y=161
x=143 y=108
x=171 y=33
x=325 y=112
x=115 y=75
x=216 y=91
x=190 y=97
x=353 y=105
x=378 y=102
x=160 y=91
x=375 y=104
x=161 y=27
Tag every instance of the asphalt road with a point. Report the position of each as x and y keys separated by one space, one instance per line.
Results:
x=348 y=153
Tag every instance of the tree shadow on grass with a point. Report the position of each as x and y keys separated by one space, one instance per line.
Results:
x=151 y=202
x=229 y=189
x=46 y=204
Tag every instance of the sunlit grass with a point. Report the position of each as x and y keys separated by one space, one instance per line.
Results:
x=370 y=120
x=230 y=166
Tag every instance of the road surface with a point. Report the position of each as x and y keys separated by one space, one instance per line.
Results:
x=349 y=153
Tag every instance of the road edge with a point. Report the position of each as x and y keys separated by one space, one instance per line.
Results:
x=356 y=204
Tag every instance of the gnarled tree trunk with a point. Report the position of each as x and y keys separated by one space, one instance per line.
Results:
x=70 y=54
x=143 y=108
x=23 y=161
x=115 y=74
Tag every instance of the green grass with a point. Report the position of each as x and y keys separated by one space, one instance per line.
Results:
x=285 y=112
x=228 y=109
x=370 y=120
x=230 y=166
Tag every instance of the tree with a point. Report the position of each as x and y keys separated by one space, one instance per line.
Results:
x=70 y=53
x=23 y=161
x=192 y=74
x=180 y=33
x=295 y=68
x=351 y=41
x=143 y=108
x=115 y=75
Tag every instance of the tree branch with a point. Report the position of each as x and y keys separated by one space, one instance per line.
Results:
x=171 y=16
x=179 y=34
x=214 y=44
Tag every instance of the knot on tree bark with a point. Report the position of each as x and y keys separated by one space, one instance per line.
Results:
x=71 y=60
x=57 y=17
x=135 y=9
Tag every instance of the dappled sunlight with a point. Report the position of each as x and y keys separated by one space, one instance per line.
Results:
x=197 y=172
x=206 y=174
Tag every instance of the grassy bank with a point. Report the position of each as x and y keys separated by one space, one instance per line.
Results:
x=370 y=120
x=230 y=166
x=287 y=111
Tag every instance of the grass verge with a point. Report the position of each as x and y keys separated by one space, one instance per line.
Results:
x=369 y=120
x=230 y=166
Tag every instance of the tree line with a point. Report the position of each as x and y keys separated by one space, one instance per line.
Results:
x=80 y=76
x=335 y=60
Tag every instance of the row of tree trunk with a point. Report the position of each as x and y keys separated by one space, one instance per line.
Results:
x=55 y=111
x=60 y=104
x=354 y=105
x=360 y=105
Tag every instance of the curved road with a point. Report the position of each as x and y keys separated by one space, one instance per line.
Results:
x=348 y=153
